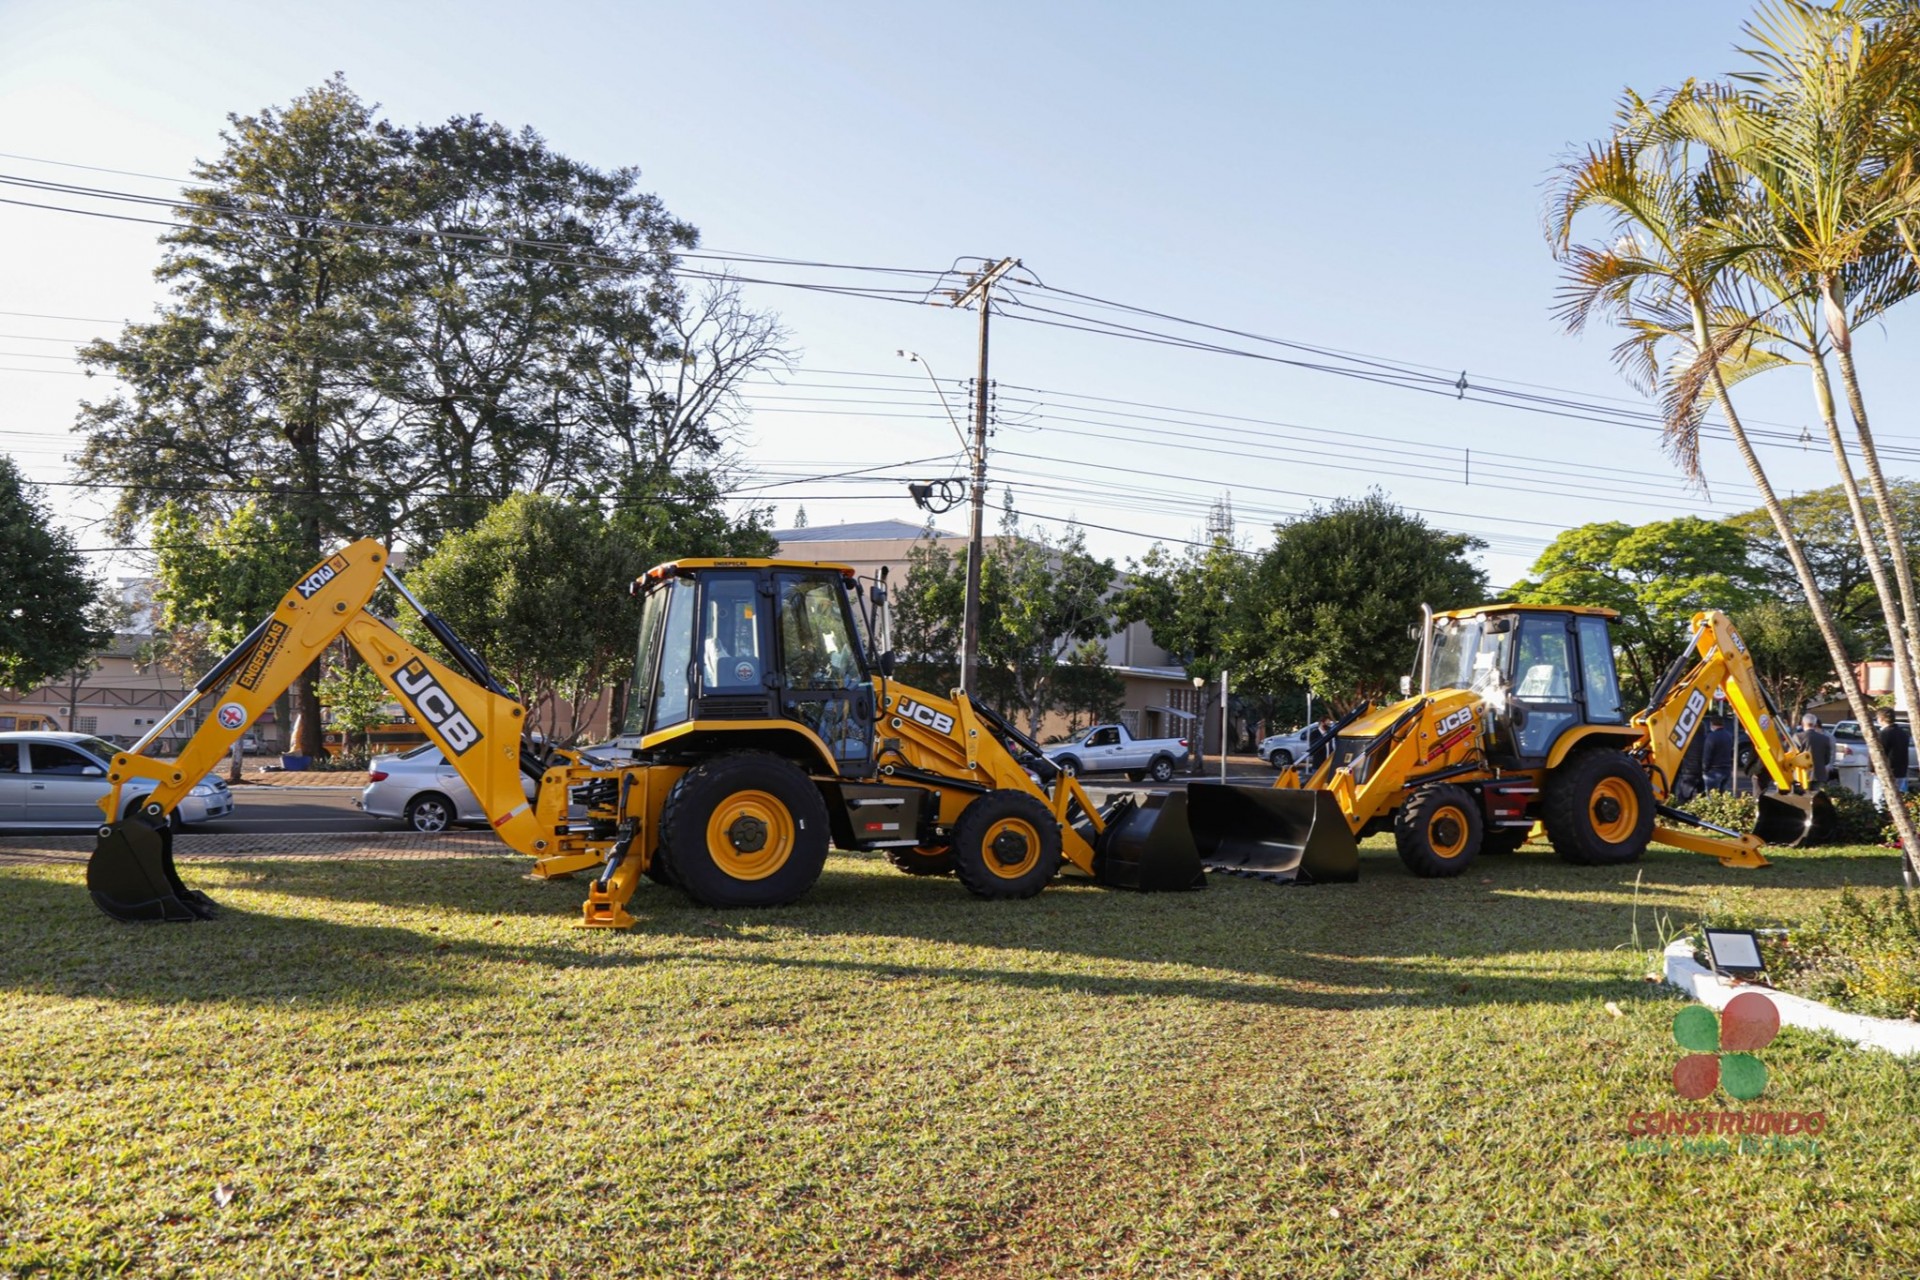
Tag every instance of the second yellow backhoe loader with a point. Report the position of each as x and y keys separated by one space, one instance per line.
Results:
x=1518 y=721
x=764 y=726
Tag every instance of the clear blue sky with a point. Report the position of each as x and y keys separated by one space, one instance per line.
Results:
x=1365 y=177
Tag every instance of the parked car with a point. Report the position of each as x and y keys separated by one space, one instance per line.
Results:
x=1109 y=748
x=1852 y=767
x=1283 y=749
x=421 y=789
x=50 y=779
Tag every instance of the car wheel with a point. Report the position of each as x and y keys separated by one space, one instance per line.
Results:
x=1068 y=765
x=1280 y=758
x=429 y=812
x=1161 y=770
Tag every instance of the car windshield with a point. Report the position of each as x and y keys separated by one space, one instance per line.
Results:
x=1465 y=656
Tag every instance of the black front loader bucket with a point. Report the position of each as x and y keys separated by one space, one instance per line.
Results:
x=1791 y=820
x=131 y=876
x=1148 y=847
x=1282 y=834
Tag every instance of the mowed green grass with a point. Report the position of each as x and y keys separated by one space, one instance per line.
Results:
x=421 y=1068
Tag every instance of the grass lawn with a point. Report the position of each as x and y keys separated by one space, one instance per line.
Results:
x=421 y=1068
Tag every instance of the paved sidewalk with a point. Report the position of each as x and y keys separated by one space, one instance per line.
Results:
x=338 y=845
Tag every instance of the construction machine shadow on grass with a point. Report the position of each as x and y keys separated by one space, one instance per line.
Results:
x=764 y=727
x=1518 y=722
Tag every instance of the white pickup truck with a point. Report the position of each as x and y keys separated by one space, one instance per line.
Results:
x=1109 y=748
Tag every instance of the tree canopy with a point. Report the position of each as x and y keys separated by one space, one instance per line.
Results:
x=52 y=614
x=1656 y=575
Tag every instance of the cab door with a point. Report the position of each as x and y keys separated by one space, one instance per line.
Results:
x=1544 y=682
x=823 y=676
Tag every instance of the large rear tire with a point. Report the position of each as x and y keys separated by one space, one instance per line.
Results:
x=744 y=830
x=1598 y=808
x=1006 y=845
x=1438 y=831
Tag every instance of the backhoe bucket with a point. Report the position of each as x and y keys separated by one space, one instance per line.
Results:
x=1280 y=834
x=1791 y=820
x=131 y=876
x=1148 y=847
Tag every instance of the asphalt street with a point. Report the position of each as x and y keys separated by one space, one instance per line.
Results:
x=296 y=810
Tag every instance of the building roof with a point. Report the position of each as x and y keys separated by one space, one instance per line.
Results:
x=859 y=531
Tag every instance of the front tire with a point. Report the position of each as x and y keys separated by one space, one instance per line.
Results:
x=1438 y=831
x=1069 y=766
x=1280 y=758
x=1598 y=808
x=1006 y=845
x=744 y=830
x=429 y=813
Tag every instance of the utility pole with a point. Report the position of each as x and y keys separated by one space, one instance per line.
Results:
x=979 y=291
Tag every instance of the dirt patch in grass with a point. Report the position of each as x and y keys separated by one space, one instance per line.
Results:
x=403 y=1067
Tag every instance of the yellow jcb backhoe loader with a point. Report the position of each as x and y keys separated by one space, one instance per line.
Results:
x=1518 y=720
x=763 y=726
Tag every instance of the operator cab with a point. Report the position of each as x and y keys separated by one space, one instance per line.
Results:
x=1541 y=670
x=736 y=647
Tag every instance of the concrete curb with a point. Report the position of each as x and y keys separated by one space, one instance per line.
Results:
x=1894 y=1035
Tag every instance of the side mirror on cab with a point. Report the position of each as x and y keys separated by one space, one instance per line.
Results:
x=886 y=664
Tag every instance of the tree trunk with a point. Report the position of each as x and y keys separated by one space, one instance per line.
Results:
x=1863 y=530
x=1822 y=616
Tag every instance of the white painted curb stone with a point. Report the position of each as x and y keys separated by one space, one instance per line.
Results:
x=1894 y=1035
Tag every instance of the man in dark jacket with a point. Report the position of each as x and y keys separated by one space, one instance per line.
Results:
x=1819 y=744
x=1716 y=756
x=1895 y=741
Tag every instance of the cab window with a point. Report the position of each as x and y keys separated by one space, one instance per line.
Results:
x=671 y=694
x=1597 y=675
x=817 y=649
x=730 y=658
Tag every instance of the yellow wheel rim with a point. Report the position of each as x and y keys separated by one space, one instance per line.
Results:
x=1614 y=809
x=1011 y=848
x=750 y=835
x=1447 y=832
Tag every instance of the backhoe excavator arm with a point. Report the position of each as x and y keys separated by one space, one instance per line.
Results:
x=1716 y=660
x=475 y=723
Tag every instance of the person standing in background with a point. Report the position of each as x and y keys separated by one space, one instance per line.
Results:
x=1895 y=741
x=1818 y=744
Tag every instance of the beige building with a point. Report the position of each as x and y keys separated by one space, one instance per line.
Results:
x=1159 y=701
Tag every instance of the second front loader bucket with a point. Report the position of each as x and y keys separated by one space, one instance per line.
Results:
x=1148 y=847
x=132 y=878
x=1282 y=834
x=1790 y=819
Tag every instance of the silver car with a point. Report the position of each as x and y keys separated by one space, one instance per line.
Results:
x=52 y=779
x=422 y=790
x=1283 y=749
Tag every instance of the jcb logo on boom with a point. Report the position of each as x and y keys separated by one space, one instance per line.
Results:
x=1689 y=717
x=321 y=577
x=1453 y=722
x=436 y=707
x=921 y=713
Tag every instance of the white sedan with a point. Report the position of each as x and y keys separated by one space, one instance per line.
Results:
x=422 y=790
x=50 y=779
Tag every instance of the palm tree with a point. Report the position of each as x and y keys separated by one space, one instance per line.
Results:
x=1694 y=326
x=1806 y=129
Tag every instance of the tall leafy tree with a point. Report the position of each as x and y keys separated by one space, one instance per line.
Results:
x=1656 y=575
x=1197 y=605
x=52 y=614
x=1333 y=598
x=1825 y=525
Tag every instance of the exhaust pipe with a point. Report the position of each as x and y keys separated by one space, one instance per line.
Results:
x=132 y=877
